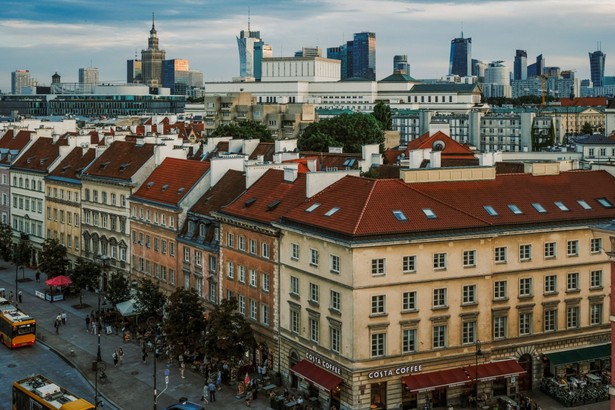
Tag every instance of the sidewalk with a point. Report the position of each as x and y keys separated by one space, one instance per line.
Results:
x=129 y=386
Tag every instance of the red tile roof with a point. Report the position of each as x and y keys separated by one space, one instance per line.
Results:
x=72 y=165
x=584 y=102
x=266 y=149
x=121 y=160
x=15 y=141
x=331 y=160
x=366 y=206
x=41 y=154
x=229 y=187
x=171 y=181
x=451 y=147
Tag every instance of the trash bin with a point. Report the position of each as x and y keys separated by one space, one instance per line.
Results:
x=94 y=365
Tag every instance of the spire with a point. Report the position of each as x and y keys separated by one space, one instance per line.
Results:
x=248 y=20
x=153 y=26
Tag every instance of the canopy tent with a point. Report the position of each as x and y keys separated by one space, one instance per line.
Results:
x=127 y=308
x=60 y=280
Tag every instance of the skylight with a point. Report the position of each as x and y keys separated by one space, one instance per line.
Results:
x=604 y=202
x=561 y=206
x=538 y=207
x=490 y=210
x=584 y=204
x=249 y=202
x=312 y=207
x=332 y=211
x=272 y=205
x=515 y=209
x=429 y=213
x=400 y=215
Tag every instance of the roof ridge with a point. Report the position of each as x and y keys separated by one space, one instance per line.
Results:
x=367 y=199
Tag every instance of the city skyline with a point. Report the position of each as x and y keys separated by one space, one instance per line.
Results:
x=64 y=36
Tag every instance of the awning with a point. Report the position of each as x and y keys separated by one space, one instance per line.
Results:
x=127 y=308
x=494 y=370
x=585 y=354
x=430 y=381
x=317 y=375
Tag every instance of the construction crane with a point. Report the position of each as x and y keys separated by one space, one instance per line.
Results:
x=543 y=79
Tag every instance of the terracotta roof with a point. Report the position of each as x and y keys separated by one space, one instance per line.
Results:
x=303 y=167
x=584 y=102
x=75 y=162
x=232 y=184
x=41 y=154
x=365 y=207
x=451 y=147
x=13 y=141
x=334 y=160
x=266 y=149
x=121 y=160
x=171 y=181
x=268 y=198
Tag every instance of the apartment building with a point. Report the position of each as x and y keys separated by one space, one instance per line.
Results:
x=12 y=143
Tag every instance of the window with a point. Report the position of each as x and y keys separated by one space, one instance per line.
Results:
x=515 y=209
x=336 y=301
x=550 y=284
x=550 y=250
x=335 y=264
x=230 y=272
x=230 y=240
x=334 y=338
x=253 y=309
x=469 y=258
x=525 y=323
x=242 y=243
x=584 y=204
x=314 y=293
x=400 y=216
x=242 y=274
x=439 y=298
x=500 y=254
x=539 y=208
x=252 y=278
x=595 y=279
x=314 y=329
x=561 y=206
x=241 y=304
x=525 y=287
x=525 y=252
x=572 y=317
x=171 y=248
x=198 y=256
x=409 y=264
x=468 y=332
x=265 y=250
x=186 y=253
x=595 y=245
x=265 y=282
x=573 y=248
x=500 y=290
x=378 y=341
x=294 y=285
x=572 y=283
x=595 y=314
x=439 y=261
x=294 y=321
x=378 y=305
x=253 y=246
x=550 y=320
x=408 y=340
x=439 y=336
x=490 y=210
x=408 y=301
x=604 y=202
x=469 y=294
x=500 y=324
x=378 y=266
x=265 y=315
x=313 y=257
x=294 y=251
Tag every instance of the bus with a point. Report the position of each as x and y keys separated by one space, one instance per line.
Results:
x=16 y=328
x=38 y=392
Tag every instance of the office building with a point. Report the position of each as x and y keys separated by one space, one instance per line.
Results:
x=151 y=60
x=309 y=52
x=134 y=73
x=19 y=80
x=497 y=80
x=313 y=69
x=596 y=66
x=460 y=62
x=358 y=57
x=536 y=69
x=400 y=64
x=252 y=50
x=88 y=75
x=520 y=65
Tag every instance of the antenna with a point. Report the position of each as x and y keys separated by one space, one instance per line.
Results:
x=249 y=21
x=461 y=28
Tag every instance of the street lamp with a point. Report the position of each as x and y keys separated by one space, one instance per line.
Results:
x=103 y=259
x=478 y=353
x=151 y=321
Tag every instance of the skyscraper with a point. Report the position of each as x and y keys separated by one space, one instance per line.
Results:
x=596 y=66
x=536 y=69
x=252 y=50
x=88 y=75
x=460 y=62
x=19 y=80
x=151 y=60
x=358 y=57
x=400 y=64
x=134 y=72
x=520 y=65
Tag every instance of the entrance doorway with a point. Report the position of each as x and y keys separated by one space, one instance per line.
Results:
x=525 y=379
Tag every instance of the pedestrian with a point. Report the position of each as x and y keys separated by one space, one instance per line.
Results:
x=249 y=398
x=94 y=327
x=212 y=392
x=219 y=380
x=56 y=324
x=38 y=276
x=144 y=354
x=59 y=318
x=87 y=323
x=115 y=358
x=120 y=355
x=63 y=318
x=19 y=296
x=205 y=393
x=182 y=368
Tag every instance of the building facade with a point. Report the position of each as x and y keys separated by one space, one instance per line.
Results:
x=460 y=61
x=596 y=67
x=151 y=60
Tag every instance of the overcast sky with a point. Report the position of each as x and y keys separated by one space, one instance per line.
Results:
x=46 y=36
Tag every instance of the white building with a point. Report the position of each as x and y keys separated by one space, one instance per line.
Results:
x=313 y=69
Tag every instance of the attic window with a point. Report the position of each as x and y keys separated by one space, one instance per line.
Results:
x=43 y=160
x=429 y=213
x=332 y=211
x=105 y=164
x=30 y=159
x=312 y=207
x=349 y=162
x=181 y=190
x=273 y=205
x=490 y=210
x=604 y=202
x=538 y=207
x=249 y=202
x=561 y=206
x=400 y=215
x=150 y=184
x=515 y=209
x=164 y=187
x=584 y=204
x=124 y=166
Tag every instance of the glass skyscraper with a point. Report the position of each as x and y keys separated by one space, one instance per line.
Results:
x=358 y=57
x=460 y=62
x=520 y=65
x=596 y=66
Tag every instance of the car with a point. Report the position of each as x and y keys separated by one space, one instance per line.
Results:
x=185 y=404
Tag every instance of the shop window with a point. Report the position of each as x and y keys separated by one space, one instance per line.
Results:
x=378 y=398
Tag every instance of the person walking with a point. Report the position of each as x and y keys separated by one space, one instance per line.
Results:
x=120 y=355
x=56 y=324
x=38 y=276
x=212 y=392
x=115 y=358
x=87 y=323
x=182 y=369
x=249 y=398
x=63 y=318
x=144 y=354
x=19 y=296
x=205 y=393
x=219 y=380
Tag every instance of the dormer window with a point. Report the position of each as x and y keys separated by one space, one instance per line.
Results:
x=249 y=202
x=150 y=184
x=164 y=187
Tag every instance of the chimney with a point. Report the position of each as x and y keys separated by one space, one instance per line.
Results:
x=290 y=174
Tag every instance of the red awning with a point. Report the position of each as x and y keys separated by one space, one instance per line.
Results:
x=317 y=375
x=494 y=370
x=430 y=381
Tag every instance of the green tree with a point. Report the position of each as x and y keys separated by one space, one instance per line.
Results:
x=244 y=130
x=349 y=131
x=184 y=322
x=118 y=288
x=22 y=251
x=85 y=275
x=6 y=242
x=228 y=336
x=149 y=299
x=382 y=112
x=52 y=258
x=587 y=129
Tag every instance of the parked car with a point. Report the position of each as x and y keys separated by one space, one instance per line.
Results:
x=185 y=404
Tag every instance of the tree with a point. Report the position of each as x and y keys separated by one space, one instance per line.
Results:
x=382 y=112
x=52 y=258
x=587 y=129
x=228 y=336
x=349 y=131
x=6 y=242
x=184 y=322
x=118 y=288
x=244 y=130
x=85 y=275
x=22 y=250
x=149 y=299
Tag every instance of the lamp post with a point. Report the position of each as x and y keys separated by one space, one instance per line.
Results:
x=103 y=259
x=151 y=321
x=478 y=353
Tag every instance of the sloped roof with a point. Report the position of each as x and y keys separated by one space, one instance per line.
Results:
x=593 y=139
x=41 y=154
x=266 y=149
x=229 y=187
x=584 y=102
x=398 y=77
x=329 y=160
x=75 y=162
x=366 y=206
x=13 y=141
x=121 y=160
x=171 y=181
x=451 y=147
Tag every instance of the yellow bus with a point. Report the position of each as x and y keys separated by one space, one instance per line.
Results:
x=38 y=392
x=16 y=328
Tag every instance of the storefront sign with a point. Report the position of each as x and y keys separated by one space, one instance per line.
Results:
x=323 y=363
x=398 y=371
